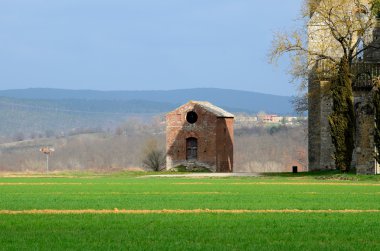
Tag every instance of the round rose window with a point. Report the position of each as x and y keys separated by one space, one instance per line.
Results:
x=191 y=117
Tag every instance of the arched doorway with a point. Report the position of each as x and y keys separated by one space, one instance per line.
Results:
x=191 y=148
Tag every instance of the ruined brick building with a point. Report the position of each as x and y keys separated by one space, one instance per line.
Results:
x=365 y=70
x=199 y=134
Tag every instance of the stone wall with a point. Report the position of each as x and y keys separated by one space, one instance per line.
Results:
x=321 y=148
x=327 y=148
x=314 y=132
x=365 y=147
x=320 y=143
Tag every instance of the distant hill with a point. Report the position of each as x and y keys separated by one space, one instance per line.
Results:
x=232 y=100
x=42 y=116
x=52 y=111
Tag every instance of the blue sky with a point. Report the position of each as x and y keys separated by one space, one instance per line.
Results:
x=143 y=44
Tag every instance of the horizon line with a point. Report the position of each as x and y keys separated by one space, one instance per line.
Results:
x=149 y=90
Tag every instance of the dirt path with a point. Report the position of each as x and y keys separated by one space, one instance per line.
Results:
x=203 y=175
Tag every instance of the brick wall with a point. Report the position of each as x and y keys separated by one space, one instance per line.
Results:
x=214 y=136
x=224 y=144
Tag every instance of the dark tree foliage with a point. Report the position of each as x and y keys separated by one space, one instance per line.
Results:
x=342 y=119
x=376 y=104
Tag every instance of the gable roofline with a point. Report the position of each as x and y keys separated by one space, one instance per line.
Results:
x=219 y=112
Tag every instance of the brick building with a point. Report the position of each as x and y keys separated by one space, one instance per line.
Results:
x=199 y=134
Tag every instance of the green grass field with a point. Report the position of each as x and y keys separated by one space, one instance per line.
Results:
x=309 y=212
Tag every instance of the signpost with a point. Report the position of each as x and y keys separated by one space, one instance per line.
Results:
x=47 y=151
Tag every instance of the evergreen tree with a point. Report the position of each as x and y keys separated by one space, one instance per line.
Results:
x=342 y=119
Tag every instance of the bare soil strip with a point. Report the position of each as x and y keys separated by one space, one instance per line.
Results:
x=36 y=184
x=352 y=193
x=183 y=211
x=32 y=175
x=125 y=193
x=61 y=183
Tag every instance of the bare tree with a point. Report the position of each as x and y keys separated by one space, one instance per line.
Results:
x=153 y=157
x=335 y=34
x=331 y=30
